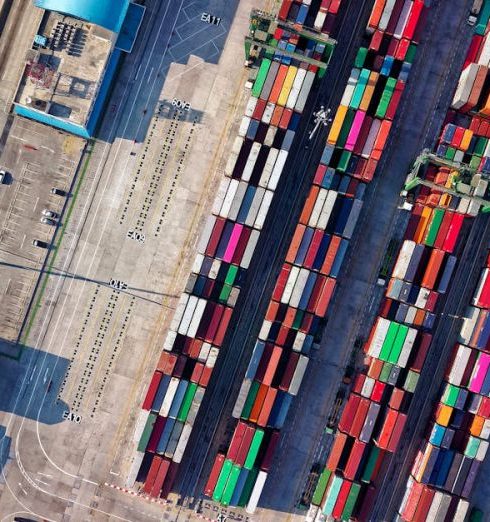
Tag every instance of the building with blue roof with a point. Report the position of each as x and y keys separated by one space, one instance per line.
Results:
x=73 y=61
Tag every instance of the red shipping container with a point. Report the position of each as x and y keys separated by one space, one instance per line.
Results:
x=276 y=116
x=336 y=451
x=289 y=371
x=421 y=350
x=284 y=10
x=169 y=479
x=453 y=232
x=313 y=249
x=281 y=282
x=269 y=452
x=457 y=137
x=160 y=478
x=295 y=243
x=241 y=246
x=282 y=337
x=341 y=499
x=396 y=398
x=402 y=48
x=179 y=366
x=376 y=40
x=443 y=229
x=397 y=432
x=259 y=109
x=360 y=417
x=306 y=323
x=395 y=100
x=424 y=505
x=205 y=376
x=285 y=119
x=359 y=383
x=223 y=326
x=413 y=19
x=236 y=441
x=197 y=372
x=195 y=348
x=166 y=362
x=375 y=368
x=370 y=169
x=156 y=434
x=215 y=237
x=387 y=429
x=349 y=413
x=289 y=317
x=320 y=174
x=412 y=500
x=315 y=294
x=363 y=135
x=272 y=310
x=378 y=391
x=152 y=390
x=309 y=204
x=265 y=411
x=214 y=475
x=264 y=362
x=243 y=451
x=354 y=459
x=272 y=366
x=326 y=295
x=214 y=324
x=484 y=409
x=152 y=474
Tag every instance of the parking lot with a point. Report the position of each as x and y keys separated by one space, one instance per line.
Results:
x=36 y=159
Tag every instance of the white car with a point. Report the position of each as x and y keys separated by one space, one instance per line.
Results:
x=3 y=175
x=49 y=213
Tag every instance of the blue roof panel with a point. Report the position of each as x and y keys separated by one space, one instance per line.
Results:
x=106 y=13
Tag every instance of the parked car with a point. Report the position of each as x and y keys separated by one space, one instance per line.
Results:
x=50 y=214
x=58 y=192
x=39 y=243
x=3 y=176
x=48 y=221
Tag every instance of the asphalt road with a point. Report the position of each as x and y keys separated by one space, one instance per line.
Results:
x=215 y=413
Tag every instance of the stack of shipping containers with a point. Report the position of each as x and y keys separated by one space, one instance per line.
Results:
x=305 y=285
x=373 y=419
x=225 y=249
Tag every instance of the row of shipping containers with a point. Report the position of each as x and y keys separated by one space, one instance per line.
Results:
x=397 y=347
x=321 y=16
x=306 y=282
x=225 y=249
x=447 y=464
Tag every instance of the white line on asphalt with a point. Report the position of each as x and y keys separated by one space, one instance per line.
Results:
x=35 y=204
x=23 y=240
x=149 y=76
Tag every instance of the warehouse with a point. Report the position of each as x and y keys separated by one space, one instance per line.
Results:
x=73 y=60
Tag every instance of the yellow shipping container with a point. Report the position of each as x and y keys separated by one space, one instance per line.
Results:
x=333 y=135
x=444 y=415
x=287 y=85
x=368 y=91
x=423 y=462
x=465 y=142
x=477 y=425
x=424 y=220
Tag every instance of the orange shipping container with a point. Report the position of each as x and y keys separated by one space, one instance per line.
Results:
x=276 y=116
x=272 y=311
x=295 y=242
x=387 y=429
x=166 y=362
x=376 y=14
x=259 y=402
x=433 y=267
x=375 y=368
x=330 y=256
x=278 y=83
x=289 y=317
x=443 y=414
x=381 y=139
x=267 y=407
x=309 y=204
x=272 y=366
x=325 y=296
x=476 y=89
x=477 y=425
x=424 y=220
x=336 y=451
x=418 y=320
x=368 y=91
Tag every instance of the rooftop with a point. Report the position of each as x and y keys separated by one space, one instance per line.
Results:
x=65 y=67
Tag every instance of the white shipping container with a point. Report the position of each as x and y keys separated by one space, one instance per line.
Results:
x=196 y=318
x=304 y=91
x=485 y=432
x=277 y=170
x=473 y=208
x=463 y=205
x=434 y=507
x=195 y=405
x=263 y=210
x=230 y=194
x=317 y=207
x=220 y=196
x=296 y=88
x=465 y=85
x=298 y=375
x=256 y=492
x=349 y=89
x=213 y=355
x=458 y=156
x=188 y=313
x=169 y=340
x=469 y=322
x=204 y=352
x=169 y=396
x=288 y=290
x=264 y=330
x=408 y=490
x=140 y=424
x=403 y=19
x=237 y=200
x=484 y=58
x=213 y=271
x=134 y=469
x=232 y=299
x=459 y=365
x=403 y=259
x=249 y=250
x=242 y=131
x=237 y=145
x=327 y=209
x=299 y=287
x=385 y=17
x=251 y=160
x=443 y=507
x=255 y=206
x=410 y=317
x=407 y=347
x=250 y=108
x=269 y=166
x=206 y=234
x=377 y=341
x=242 y=397
x=482 y=450
x=181 y=445
x=312 y=512
x=196 y=267
x=181 y=305
x=461 y=510
x=422 y=298
x=367 y=387
x=299 y=341
x=269 y=137
x=319 y=20
x=268 y=111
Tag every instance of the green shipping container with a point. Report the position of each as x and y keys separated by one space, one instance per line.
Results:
x=145 y=436
x=187 y=401
x=481 y=145
x=222 y=480
x=230 y=485
x=225 y=293
x=231 y=274
x=344 y=161
x=412 y=51
x=434 y=226
x=361 y=57
x=247 y=489
x=350 y=503
x=389 y=340
x=298 y=319
x=411 y=381
x=450 y=395
x=475 y=162
x=483 y=17
x=332 y=494
x=450 y=153
x=345 y=129
x=359 y=89
x=252 y=393
x=386 y=98
x=321 y=487
x=261 y=76
x=370 y=464
x=385 y=372
x=472 y=447
x=398 y=344
x=254 y=449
